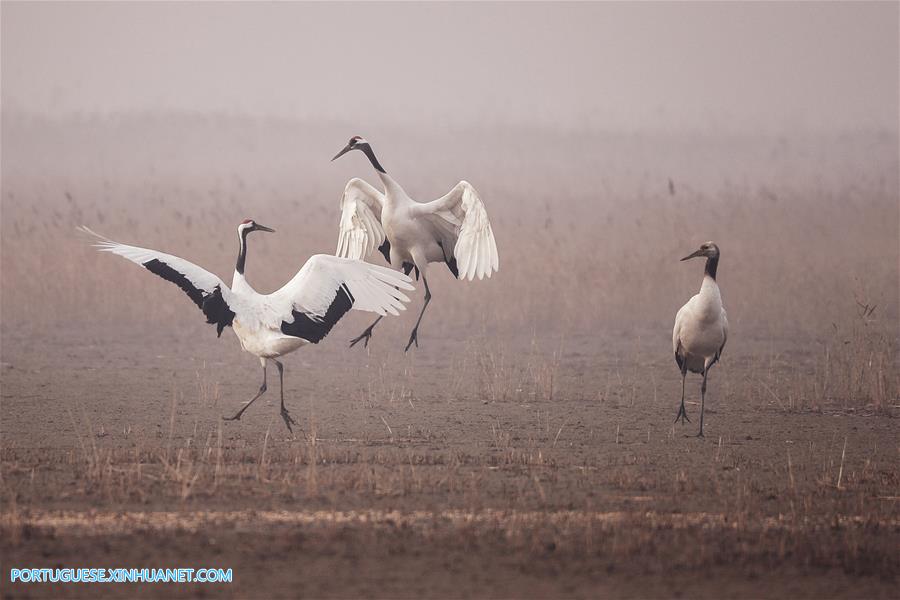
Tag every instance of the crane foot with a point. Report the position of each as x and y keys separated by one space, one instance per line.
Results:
x=682 y=414
x=288 y=419
x=413 y=339
x=364 y=337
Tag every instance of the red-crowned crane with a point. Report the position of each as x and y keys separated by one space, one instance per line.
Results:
x=701 y=329
x=272 y=325
x=453 y=230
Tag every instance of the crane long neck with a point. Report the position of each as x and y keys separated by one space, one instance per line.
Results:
x=712 y=263
x=392 y=191
x=367 y=150
x=242 y=256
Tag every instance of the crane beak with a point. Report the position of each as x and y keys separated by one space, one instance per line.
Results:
x=264 y=228
x=694 y=255
x=346 y=149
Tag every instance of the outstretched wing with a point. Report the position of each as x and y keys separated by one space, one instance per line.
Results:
x=328 y=286
x=206 y=290
x=360 y=229
x=461 y=220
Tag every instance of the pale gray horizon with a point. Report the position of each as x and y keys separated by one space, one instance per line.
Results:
x=731 y=67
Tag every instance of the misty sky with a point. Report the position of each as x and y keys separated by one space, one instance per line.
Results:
x=673 y=66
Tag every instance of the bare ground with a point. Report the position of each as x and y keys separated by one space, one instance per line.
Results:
x=527 y=448
x=115 y=455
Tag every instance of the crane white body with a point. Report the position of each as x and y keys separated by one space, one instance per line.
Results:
x=453 y=229
x=265 y=342
x=301 y=312
x=701 y=329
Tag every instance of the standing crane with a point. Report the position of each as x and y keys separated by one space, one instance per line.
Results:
x=453 y=230
x=701 y=329
x=272 y=325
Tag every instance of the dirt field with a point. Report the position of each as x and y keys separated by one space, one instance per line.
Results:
x=527 y=448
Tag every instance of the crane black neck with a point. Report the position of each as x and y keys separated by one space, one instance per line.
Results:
x=712 y=263
x=367 y=150
x=242 y=256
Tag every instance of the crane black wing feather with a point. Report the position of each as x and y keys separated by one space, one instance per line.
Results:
x=385 y=249
x=679 y=360
x=206 y=290
x=217 y=311
x=326 y=288
x=314 y=329
x=162 y=269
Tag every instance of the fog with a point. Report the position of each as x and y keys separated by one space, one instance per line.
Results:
x=715 y=67
x=166 y=124
x=525 y=446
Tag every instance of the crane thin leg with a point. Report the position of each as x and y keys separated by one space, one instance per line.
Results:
x=262 y=390
x=366 y=335
x=288 y=420
x=702 y=399
x=414 y=336
x=682 y=414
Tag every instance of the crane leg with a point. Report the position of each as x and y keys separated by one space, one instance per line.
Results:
x=682 y=414
x=366 y=335
x=702 y=399
x=414 y=336
x=262 y=390
x=288 y=420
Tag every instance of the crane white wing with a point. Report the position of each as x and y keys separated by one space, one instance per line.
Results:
x=461 y=219
x=676 y=334
x=206 y=290
x=327 y=287
x=685 y=320
x=724 y=334
x=360 y=231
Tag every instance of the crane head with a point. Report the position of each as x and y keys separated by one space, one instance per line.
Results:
x=708 y=249
x=248 y=225
x=355 y=143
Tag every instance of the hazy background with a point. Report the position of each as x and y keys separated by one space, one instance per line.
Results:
x=746 y=67
x=165 y=124
x=607 y=141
